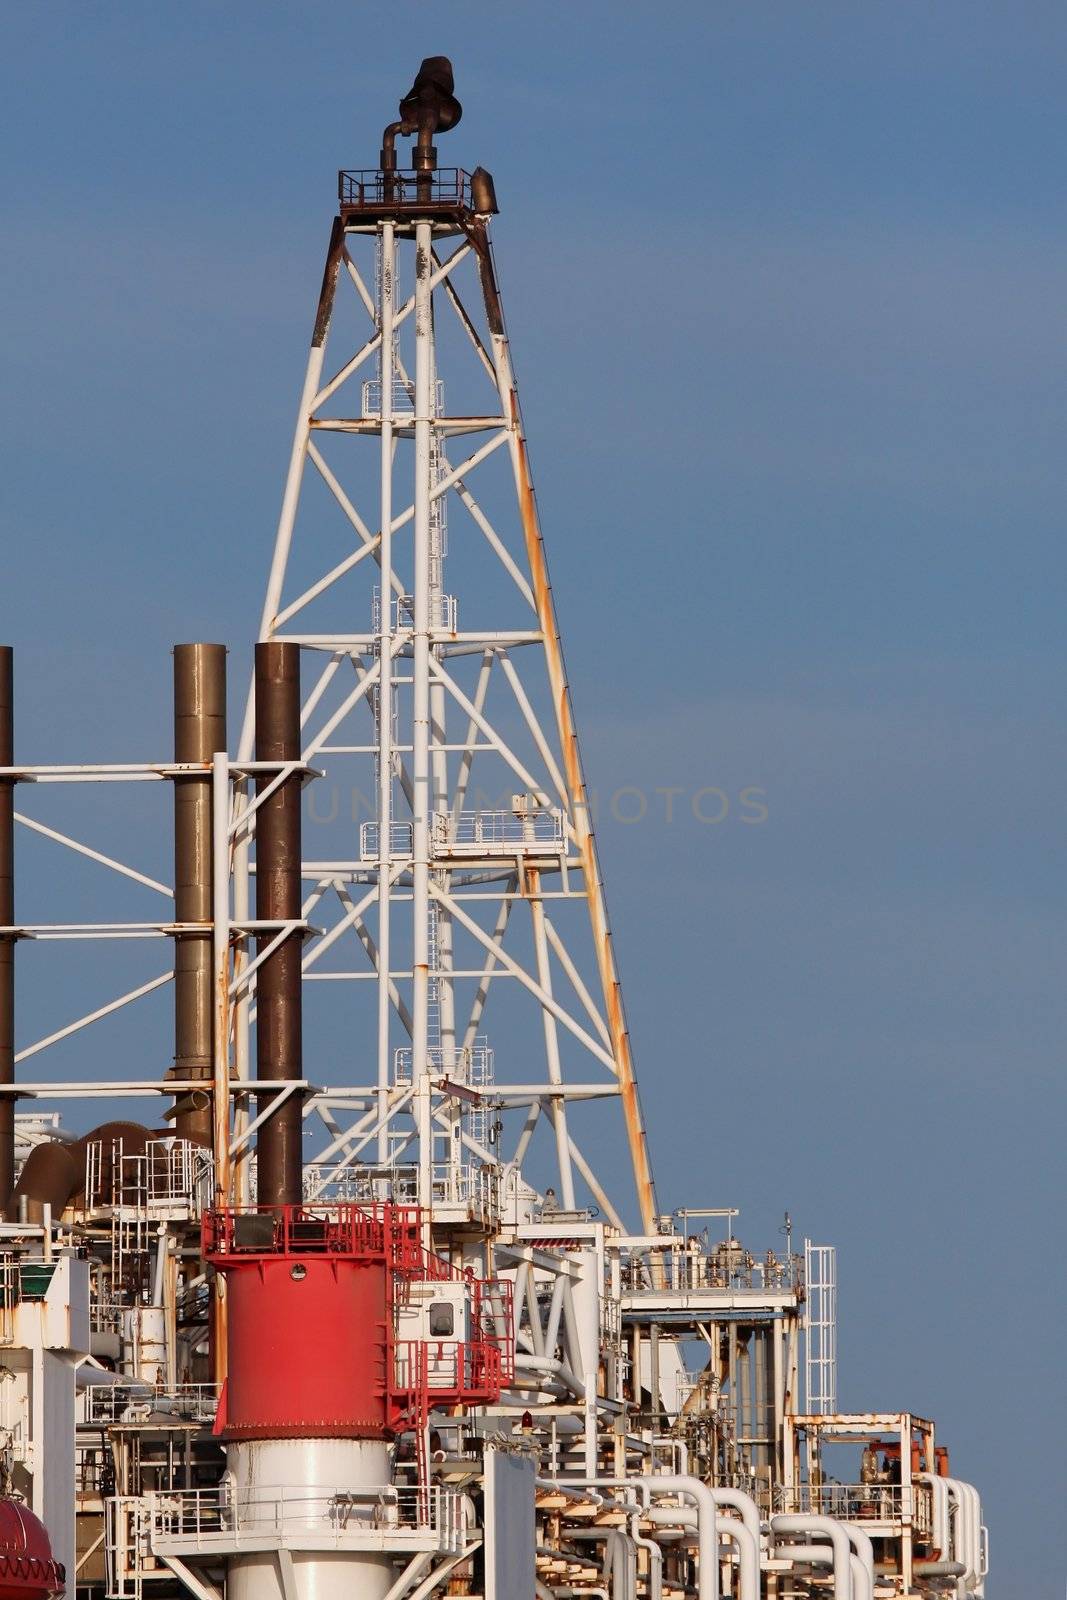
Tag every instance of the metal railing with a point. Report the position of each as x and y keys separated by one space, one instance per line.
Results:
x=469 y=1185
x=403 y=402
x=166 y=1175
x=475 y=1187
x=209 y=1519
x=470 y=1064
x=362 y=1184
x=369 y=189
x=401 y=840
x=107 y=1403
x=330 y=1229
x=443 y=612
x=537 y=828
x=22 y=1279
x=687 y=1269
x=858 y=1502
x=448 y=1368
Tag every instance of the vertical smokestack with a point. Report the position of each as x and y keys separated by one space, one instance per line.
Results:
x=7 y=917
x=199 y=730
x=278 y=1017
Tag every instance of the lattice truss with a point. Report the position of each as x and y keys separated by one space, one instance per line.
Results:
x=456 y=903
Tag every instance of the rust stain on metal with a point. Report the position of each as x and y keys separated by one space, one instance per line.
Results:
x=329 y=284
x=494 y=313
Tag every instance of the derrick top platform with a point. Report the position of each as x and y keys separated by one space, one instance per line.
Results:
x=405 y=195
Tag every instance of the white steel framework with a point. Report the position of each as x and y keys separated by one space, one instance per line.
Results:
x=478 y=864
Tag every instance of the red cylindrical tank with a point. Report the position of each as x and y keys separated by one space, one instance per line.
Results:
x=27 y=1570
x=307 y=1348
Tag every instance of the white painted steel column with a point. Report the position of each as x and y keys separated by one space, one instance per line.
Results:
x=552 y=1058
x=242 y=1004
x=386 y=310
x=420 y=756
x=220 y=1099
x=220 y=944
x=439 y=732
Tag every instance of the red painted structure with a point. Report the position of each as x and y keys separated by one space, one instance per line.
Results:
x=27 y=1569
x=312 y=1294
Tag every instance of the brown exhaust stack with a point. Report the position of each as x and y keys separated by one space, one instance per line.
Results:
x=278 y=993
x=199 y=730
x=7 y=918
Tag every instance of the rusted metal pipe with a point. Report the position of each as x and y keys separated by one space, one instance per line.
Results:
x=7 y=918
x=278 y=993
x=199 y=730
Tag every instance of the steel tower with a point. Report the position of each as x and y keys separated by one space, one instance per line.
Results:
x=442 y=699
x=418 y=1357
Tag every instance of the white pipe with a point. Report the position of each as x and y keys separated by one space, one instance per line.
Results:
x=941 y=1525
x=807 y=1524
x=748 y=1557
x=740 y=1532
x=862 y=1580
x=655 y=1558
x=160 y=1268
x=623 y=1565
x=744 y=1505
x=619 y=1565
x=823 y=1555
x=975 y=1505
x=965 y=1540
x=863 y=1550
x=668 y=1483
x=550 y=1365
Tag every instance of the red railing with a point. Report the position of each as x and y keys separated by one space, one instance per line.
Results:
x=443 y=1372
x=418 y=1373
x=364 y=1232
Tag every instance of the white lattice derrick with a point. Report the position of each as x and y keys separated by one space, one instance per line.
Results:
x=462 y=739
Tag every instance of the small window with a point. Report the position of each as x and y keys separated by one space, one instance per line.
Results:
x=442 y=1320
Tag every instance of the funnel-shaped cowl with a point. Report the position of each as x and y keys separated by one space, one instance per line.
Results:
x=431 y=101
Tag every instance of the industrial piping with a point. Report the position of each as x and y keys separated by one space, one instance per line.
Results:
x=707 y=1521
x=863 y=1552
x=941 y=1525
x=278 y=884
x=966 y=1541
x=7 y=918
x=748 y=1547
x=823 y=1555
x=199 y=730
x=835 y=1532
x=655 y=1558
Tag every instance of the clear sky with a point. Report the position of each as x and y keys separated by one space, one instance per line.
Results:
x=786 y=284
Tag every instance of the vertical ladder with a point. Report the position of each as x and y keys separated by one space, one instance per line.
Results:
x=820 y=1329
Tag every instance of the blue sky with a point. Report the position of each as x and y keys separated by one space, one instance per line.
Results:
x=785 y=285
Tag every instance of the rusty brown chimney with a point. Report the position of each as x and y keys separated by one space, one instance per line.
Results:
x=199 y=731
x=278 y=991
